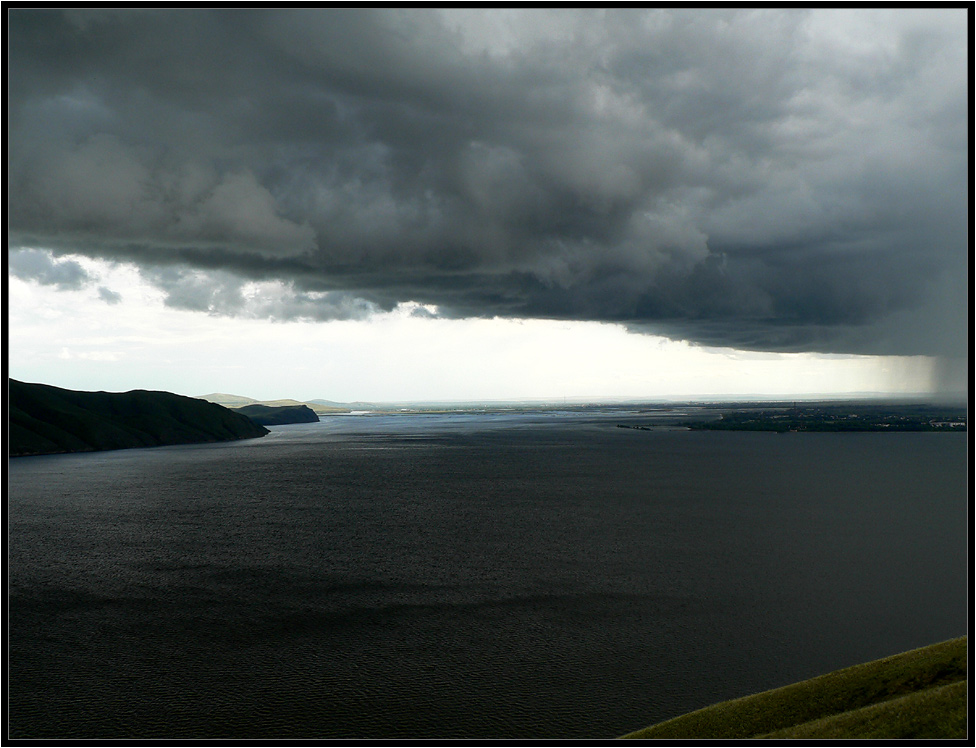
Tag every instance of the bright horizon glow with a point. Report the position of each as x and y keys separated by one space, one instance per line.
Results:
x=77 y=340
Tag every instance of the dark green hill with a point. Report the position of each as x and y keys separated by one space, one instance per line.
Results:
x=47 y=420
x=916 y=694
x=270 y=415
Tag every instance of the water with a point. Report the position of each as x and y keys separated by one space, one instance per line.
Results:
x=468 y=576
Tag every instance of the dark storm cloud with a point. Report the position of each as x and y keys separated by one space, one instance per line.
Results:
x=770 y=179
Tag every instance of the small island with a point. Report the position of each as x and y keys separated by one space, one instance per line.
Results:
x=50 y=420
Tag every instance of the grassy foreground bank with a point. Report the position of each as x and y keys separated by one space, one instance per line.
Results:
x=915 y=694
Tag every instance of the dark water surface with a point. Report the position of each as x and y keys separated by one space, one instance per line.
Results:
x=516 y=576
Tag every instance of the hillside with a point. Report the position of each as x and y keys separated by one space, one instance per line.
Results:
x=48 y=420
x=915 y=694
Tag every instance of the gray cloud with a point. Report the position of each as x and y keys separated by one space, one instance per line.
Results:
x=768 y=179
x=40 y=267
x=109 y=296
x=221 y=292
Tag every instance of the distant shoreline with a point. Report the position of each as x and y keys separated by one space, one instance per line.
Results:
x=830 y=417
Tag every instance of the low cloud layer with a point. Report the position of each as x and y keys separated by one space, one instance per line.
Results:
x=772 y=179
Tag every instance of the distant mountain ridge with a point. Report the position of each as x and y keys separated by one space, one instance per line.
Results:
x=44 y=419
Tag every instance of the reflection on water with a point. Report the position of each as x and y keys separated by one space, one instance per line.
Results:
x=446 y=575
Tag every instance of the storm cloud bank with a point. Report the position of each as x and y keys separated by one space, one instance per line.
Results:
x=767 y=179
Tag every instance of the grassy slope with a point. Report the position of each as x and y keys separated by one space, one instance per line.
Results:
x=45 y=420
x=915 y=694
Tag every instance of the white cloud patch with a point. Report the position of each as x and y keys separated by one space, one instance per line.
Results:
x=70 y=355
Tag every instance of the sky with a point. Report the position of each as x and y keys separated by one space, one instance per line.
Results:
x=402 y=204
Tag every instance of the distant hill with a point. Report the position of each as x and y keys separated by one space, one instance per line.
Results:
x=49 y=420
x=915 y=694
x=320 y=407
x=228 y=401
x=277 y=415
x=333 y=405
x=284 y=402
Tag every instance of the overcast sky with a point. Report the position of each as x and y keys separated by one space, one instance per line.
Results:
x=489 y=203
